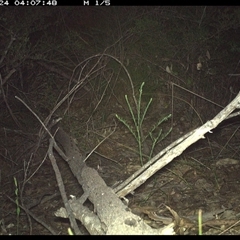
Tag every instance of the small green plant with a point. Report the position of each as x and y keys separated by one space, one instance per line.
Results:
x=137 y=129
x=70 y=231
x=200 y=222
x=17 y=202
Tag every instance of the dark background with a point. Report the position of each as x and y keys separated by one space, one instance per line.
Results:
x=188 y=58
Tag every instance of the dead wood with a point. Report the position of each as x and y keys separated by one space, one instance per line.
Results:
x=110 y=215
x=175 y=149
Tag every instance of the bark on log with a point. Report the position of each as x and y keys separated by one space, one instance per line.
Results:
x=110 y=215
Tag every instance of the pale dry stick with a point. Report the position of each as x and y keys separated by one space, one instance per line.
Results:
x=129 y=77
x=80 y=82
x=74 y=88
x=60 y=152
x=57 y=172
x=117 y=78
x=173 y=84
x=99 y=144
x=152 y=161
x=39 y=166
x=92 y=72
x=203 y=14
x=69 y=84
x=123 y=66
x=46 y=121
x=102 y=93
x=233 y=115
x=43 y=127
x=62 y=189
x=200 y=163
x=237 y=222
x=216 y=104
x=101 y=98
x=176 y=151
x=175 y=97
x=120 y=144
x=164 y=69
x=34 y=115
x=26 y=180
x=234 y=75
x=108 y=158
x=227 y=142
x=85 y=62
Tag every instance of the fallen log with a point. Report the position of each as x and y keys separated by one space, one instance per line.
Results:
x=110 y=215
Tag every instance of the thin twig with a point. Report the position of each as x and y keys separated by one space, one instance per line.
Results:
x=34 y=115
x=62 y=188
x=99 y=144
x=34 y=217
x=6 y=102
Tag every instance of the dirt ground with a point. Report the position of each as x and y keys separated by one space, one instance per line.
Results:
x=204 y=178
